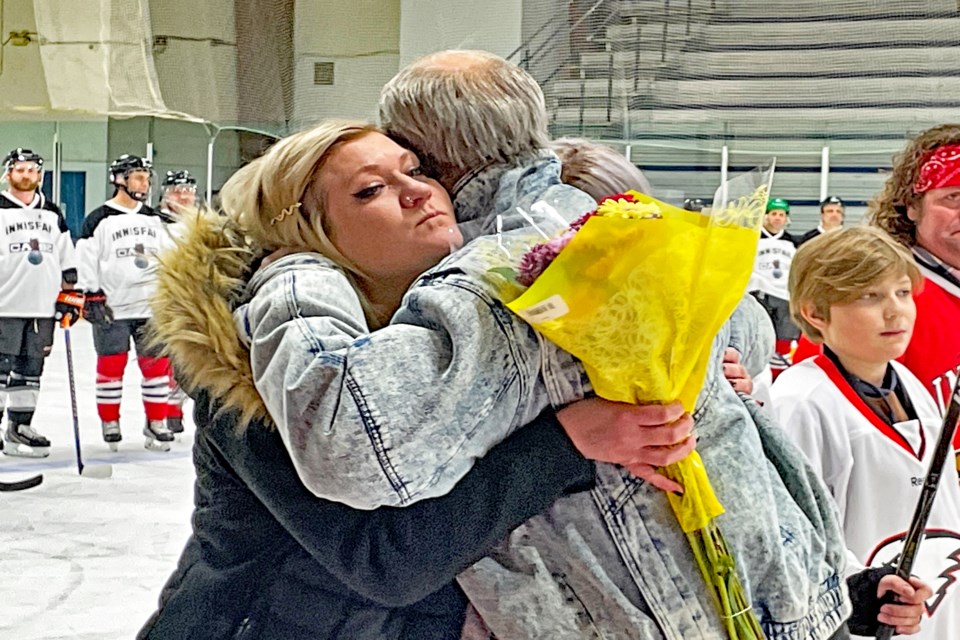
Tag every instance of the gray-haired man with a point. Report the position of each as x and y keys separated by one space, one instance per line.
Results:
x=613 y=562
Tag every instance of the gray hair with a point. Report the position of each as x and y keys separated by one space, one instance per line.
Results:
x=596 y=169
x=461 y=110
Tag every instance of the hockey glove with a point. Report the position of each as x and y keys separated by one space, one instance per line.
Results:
x=95 y=308
x=69 y=307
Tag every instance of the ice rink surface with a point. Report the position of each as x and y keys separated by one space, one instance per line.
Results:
x=85 y=559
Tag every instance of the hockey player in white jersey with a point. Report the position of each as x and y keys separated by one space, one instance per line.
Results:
x=116 y=256
x=36 y=264
x=768 y=282
x=868 y=425
x=178 y=195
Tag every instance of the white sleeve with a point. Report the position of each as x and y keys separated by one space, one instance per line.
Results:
x=818 y=433
x=815 y=431
x=66 y=252
x=88 y=264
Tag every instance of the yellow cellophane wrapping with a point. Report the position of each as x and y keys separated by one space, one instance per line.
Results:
x=639 y=302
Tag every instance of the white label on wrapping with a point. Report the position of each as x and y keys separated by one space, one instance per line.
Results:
x=550 y=309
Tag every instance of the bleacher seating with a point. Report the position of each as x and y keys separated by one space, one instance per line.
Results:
x=779 y=77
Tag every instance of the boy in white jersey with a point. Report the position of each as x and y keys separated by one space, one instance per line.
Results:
x=36 y=264
x=868 y=425
x=117 y=271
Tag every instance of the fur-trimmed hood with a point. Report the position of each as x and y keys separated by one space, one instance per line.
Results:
x=200 y=280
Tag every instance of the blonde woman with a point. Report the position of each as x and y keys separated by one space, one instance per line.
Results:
x=267 y=559
x=402 y=414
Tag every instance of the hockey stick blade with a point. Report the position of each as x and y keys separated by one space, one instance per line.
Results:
x=911 y=544
x=20 y=485
x=97 y=471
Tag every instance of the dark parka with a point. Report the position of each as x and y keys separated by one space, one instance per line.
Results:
x=269 y=560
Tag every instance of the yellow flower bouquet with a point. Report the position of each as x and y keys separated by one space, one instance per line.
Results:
x=637 y=291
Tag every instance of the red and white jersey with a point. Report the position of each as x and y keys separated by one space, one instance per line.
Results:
x=35 y=250
x=117 y=253
x=933 y=354
x=875 y=472
x=771 y=269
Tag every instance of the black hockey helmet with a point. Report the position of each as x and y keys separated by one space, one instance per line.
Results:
x=178 y=178
x=21 y=155
x=693 y=204
x=127 y=164
x=831 y=200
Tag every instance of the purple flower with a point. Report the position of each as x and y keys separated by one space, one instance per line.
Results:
x=538 y=258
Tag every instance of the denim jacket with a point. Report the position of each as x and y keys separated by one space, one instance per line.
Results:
x=366 y=420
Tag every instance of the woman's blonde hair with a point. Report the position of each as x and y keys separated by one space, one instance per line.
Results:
x=836 y=267
x=272 y=198
x=889 y=209
x=273 y=201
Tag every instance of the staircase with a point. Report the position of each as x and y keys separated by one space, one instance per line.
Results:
x=679 y=81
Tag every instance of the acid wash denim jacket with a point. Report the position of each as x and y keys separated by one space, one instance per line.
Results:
x=399 y=415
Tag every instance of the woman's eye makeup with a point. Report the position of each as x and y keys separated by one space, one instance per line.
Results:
x=368 y=192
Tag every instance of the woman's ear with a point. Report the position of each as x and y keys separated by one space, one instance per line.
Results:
x=813 y=316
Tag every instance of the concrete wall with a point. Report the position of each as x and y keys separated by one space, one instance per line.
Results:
x=433 y=25
x=362 y=40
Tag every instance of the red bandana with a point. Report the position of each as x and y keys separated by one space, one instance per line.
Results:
x=940 y=168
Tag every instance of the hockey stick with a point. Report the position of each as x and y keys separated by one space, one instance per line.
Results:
x=98 y=471
x=911 y=544
x=20 y=485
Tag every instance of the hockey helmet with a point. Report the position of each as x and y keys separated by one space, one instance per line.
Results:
x=693 y=204
x=127 y=164
x=21 y=155
x=831 y=200
x=778 y=203
x=179 y=178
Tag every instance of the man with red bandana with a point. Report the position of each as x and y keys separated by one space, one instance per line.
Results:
x=920 y=207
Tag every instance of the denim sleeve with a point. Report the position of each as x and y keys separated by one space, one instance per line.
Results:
x=751 y=334
x=401 y=414
x=398 y=556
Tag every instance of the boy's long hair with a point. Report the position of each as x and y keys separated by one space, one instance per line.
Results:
x=837 y=266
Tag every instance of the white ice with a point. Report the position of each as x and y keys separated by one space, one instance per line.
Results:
x=85 y=559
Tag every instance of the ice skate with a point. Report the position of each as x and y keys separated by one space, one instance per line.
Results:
x=158 y=436
x=175 y=425
x=22 y=440
x=111 y=433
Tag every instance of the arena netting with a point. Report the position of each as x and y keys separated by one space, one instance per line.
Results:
x=689 y=89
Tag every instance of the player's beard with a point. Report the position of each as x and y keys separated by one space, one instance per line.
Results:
x=25 y=184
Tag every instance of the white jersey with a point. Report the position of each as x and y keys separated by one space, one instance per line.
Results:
x=875 y=472
x=117 y=253
x=772 y=265
x=35 y=251
x=175 y=227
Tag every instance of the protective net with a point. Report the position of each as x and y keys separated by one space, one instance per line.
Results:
x=829 y=87
x=689 y=89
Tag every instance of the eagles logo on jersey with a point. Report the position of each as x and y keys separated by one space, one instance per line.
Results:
x=937 y=563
